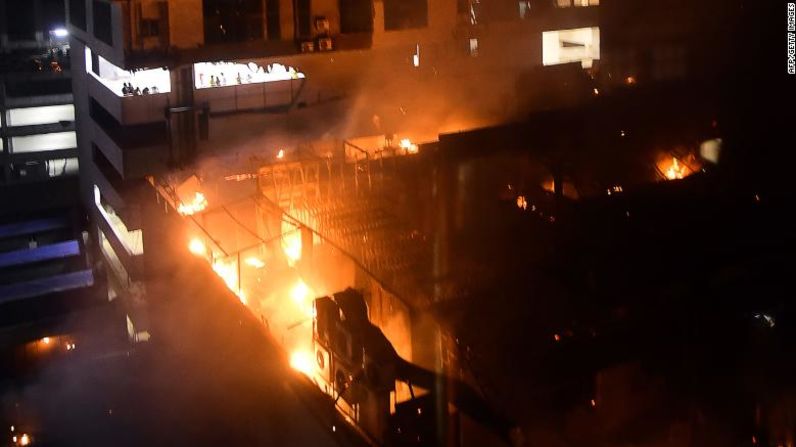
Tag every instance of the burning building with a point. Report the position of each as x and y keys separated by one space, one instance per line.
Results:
x=293 y=147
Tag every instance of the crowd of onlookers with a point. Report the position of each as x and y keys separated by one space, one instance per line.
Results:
x=129 y=90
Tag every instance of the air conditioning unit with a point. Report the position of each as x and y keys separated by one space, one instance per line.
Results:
x=307 y=47
x=325 y=44
x=324 y=364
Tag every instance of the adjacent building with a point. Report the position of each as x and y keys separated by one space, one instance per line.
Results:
x=48 y=286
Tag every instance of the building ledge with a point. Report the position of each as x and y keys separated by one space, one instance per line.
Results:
x=37 y=129
x=34 y=101
x=45 y=286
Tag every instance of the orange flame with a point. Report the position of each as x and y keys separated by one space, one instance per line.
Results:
x=197 y=247
x=228 y=271
x=301 y=360
x=255 y=262
x=676 y=170
x=407 y=145
x=522 y=203
x=291 y=243
x=197 y=204
x=302 y=295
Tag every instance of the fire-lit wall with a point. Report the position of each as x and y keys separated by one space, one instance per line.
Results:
x=185 y=18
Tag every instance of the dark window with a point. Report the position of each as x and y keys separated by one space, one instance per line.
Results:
x=95 y=63
x=150 y=27
x=102 y=22
x=77 y=13
x=272 y=18
x=303 y=18
x=21 y=20
x=405 y=14
x=127 y=137
x=40 y=87
x=232 y=20
x=356 y=16
x=106 y=167
x=500 y=10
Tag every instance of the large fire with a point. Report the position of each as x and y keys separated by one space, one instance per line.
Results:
x=291 y=243
x=674 y=169
x=197 y=247
x=197 y=204
x=228 y=271
x=254 y=261
x=301 y=360
x=302 y=295
x=407 y=145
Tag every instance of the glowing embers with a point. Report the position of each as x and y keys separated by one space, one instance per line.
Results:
x=50 y=345
x=22 y=440
x=522 y=203
x=197 y=203
x=221 y=74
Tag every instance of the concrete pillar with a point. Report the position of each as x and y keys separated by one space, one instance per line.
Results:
x=286 y=19
x=181 y=118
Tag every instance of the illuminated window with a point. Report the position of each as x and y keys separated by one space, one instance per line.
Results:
x=30 y=116
x=62 y=166
x=131 y=240
x=221 y=74
x=571 y=45
x=152 y=81
x=473 y=47
x=525 y=8
x=576 y=3
x=43 y=142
